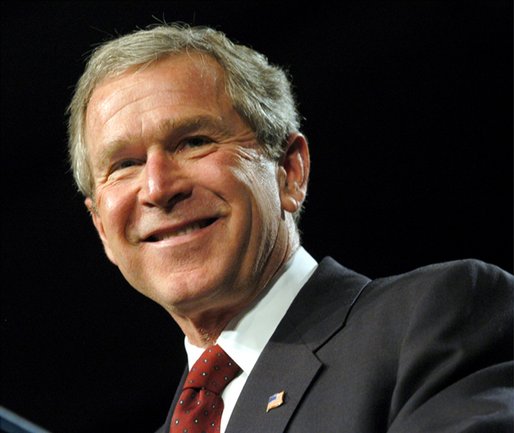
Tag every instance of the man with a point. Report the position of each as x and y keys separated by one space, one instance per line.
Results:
x=188 y=151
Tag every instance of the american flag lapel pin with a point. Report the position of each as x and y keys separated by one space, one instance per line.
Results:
x=275 y=400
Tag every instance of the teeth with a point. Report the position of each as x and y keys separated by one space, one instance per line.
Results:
x=184 y=231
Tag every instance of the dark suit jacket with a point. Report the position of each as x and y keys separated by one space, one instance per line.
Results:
x=427 y=351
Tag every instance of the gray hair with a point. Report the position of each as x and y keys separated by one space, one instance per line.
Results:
x=260 y=92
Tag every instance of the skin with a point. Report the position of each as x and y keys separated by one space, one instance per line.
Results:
x=186 y=203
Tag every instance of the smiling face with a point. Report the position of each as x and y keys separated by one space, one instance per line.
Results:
x=186 y=203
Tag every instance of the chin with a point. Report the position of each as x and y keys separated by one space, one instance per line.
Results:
x=185 y=294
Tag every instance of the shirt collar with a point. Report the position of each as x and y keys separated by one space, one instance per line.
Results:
x=245 y=337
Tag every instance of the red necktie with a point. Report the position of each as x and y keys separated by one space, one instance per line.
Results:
x=200 y=405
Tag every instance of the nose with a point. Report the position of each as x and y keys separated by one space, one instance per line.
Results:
x=163 y=183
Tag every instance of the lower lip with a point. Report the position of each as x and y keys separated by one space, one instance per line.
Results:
x=173 y=241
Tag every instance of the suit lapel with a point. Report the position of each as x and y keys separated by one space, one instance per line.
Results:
x=288 y=362
x=269 y=377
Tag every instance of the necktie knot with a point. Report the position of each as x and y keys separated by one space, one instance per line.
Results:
x=213 y=371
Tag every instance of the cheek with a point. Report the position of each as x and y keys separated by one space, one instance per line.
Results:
x=257 y=183
x=115 y=207
x=261 y=181
x=241 y=179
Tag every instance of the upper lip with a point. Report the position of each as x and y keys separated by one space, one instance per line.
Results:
x=162 y=232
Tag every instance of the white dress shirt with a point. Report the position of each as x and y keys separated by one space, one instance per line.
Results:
x=245 y=337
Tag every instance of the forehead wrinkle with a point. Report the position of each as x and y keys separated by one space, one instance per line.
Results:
x=102 y=104
x=107 y=116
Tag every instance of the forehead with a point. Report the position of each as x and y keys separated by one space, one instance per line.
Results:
x=171 y=78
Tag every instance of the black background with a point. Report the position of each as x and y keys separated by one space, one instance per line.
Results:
x=408 y=110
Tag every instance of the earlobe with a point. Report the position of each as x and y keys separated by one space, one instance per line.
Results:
x=97 y=222
x=294 y=173
x=91 y=207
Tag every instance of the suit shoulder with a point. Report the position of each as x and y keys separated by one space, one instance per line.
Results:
x=458 y=288
x=465 y=274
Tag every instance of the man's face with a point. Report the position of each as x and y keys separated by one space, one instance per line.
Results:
x=186 y=204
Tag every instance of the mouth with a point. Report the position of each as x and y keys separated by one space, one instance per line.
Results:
x=183 y=230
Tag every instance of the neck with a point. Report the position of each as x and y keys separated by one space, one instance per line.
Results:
x=204 y=330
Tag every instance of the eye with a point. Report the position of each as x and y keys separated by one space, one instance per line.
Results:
x=195 y=141
x=125 y=163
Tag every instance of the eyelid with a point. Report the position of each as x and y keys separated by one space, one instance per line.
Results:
x=116 y=166
x=203 y=139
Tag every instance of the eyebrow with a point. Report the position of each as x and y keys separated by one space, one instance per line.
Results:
x=191 y=124
x=168 y=128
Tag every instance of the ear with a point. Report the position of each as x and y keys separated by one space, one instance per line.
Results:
x=294 y=173
x=97 y=221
